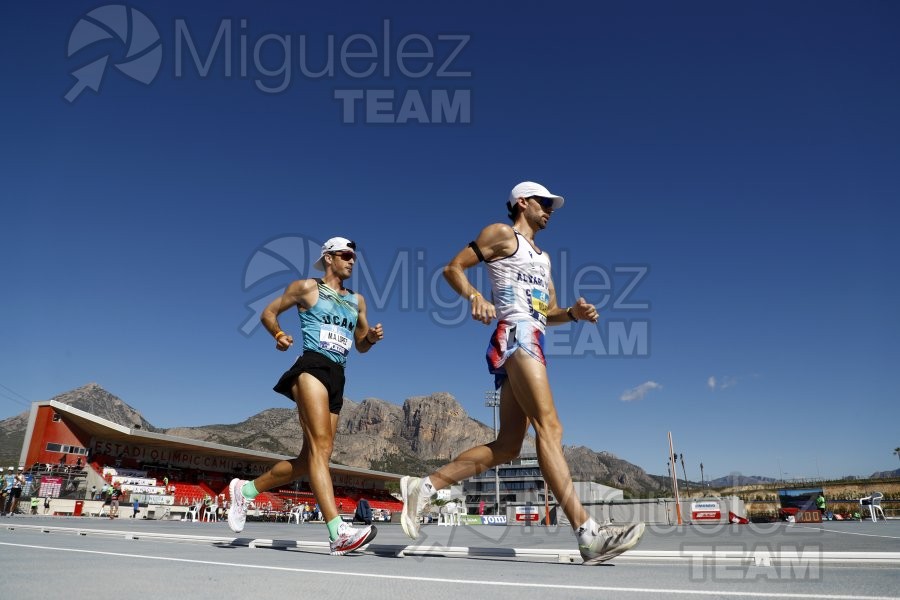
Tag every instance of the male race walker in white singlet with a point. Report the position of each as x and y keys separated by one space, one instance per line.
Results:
x=524 y=303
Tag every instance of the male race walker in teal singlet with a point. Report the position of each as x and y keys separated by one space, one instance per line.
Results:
x=333 y=320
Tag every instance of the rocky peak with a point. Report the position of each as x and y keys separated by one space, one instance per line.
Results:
x=94 y=399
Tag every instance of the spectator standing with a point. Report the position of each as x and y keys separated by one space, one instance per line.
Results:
x=46 y=505
x=820 y=503
x=114 y=495
x=8 y=480
x=205 y=507
x=15 y=492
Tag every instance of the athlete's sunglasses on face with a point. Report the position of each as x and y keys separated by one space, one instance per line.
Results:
x=344 y=255
x=544 y=202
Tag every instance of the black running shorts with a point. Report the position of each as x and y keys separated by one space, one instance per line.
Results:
x=330 y=373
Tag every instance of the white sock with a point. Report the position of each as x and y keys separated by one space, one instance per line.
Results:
x=586 y=531
x=427 y=487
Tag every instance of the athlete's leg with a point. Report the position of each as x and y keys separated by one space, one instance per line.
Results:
x=283 y=472
x=527 y=379
x=513 y=425
x=319 y=427
x=286 y=471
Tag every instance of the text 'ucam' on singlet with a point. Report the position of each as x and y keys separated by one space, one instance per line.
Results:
x=328 y=325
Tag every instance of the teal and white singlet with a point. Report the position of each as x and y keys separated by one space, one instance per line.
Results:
x=520 y=285
x=327 y=326
x=520 y=289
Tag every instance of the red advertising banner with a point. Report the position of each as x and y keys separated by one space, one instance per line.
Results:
x=707 y=510
x=527 y=513
x=50 y=486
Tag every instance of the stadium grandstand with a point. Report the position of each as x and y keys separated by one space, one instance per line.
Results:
x=72 y=457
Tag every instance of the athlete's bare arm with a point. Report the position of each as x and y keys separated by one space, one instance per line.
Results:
x=494 y=241
x=302 y=293
x=581 y=310
x=365 y=336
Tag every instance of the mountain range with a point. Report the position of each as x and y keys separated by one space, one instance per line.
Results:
x=415 y=437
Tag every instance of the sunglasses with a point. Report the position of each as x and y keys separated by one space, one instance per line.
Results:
x=544 y=202
x=344 y=255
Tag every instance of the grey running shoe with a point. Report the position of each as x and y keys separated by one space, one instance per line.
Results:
x=350 y=538
x=609 y=541
x=237 y=512
x=413 y=503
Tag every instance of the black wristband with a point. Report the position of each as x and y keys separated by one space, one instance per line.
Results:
x=571 y=314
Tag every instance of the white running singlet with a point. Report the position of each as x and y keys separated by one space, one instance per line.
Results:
x=520 y=284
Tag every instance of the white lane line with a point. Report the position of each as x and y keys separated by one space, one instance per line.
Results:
x=888 y=537
x=510 y=584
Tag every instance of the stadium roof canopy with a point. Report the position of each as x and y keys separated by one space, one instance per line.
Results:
x=104 y=429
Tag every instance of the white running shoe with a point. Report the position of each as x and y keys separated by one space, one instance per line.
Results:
x=413 y=503
x=350 y=538
x=609 y=541
x=237 y=512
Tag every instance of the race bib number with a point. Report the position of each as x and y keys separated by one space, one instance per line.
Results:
x=540 y=304
x=335 y=339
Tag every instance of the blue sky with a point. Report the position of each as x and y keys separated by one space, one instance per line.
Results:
x=731 y=181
